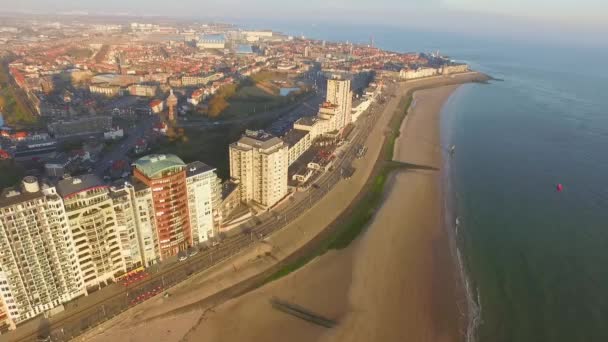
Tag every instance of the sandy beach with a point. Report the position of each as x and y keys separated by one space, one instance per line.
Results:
x=397 y=281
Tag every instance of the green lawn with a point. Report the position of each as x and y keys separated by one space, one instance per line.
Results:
x=251 y=100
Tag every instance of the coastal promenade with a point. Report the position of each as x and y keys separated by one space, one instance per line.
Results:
x=397 y=282
x=190 y=300
x=194 y=301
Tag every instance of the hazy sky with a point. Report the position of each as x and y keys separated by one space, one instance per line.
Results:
x=493 y=15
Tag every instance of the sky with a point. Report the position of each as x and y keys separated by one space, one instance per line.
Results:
x=499 y=16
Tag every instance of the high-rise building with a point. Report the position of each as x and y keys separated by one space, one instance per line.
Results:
x=259 y=162
x=126 y=225
x=340 y=94
x=143 y=206
x=38 y=266
x=165 y=175
x=94 y=227
x=204 y=195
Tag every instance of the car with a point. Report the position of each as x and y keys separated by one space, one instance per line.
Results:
x=182 y=256
x=193 y=252
x=215 y=243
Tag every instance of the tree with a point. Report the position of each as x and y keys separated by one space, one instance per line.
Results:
x=216 y=106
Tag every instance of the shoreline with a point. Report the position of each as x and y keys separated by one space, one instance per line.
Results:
x=472 y=306
x=139 y=320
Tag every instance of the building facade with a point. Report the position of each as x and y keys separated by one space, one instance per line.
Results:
x=126 y=225
x=339 y=93
x=38 y=267
x=94 y=228
x=259 y=161
x=165 y=175
x=204 y=196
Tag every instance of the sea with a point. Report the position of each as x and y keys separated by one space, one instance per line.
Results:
x=536 y=259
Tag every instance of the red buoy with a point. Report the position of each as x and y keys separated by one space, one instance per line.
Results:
x=560 y=188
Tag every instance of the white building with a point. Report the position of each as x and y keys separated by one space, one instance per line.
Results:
x=340 y=94
x=259 y=161
x=360 y=108
x=298 y=141
x=38 y=266
x=126 y=225
x=254 y=36
x=418 y=73
x=114 y=134
x=143 y=205
x=204 y=192
x=106 y=90
x=92 y=220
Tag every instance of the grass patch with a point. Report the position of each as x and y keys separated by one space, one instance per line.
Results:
x=209 y=146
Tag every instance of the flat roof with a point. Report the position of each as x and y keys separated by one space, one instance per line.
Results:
x=307 y=120
x=73 y=185
x=14 y=195
x=258 y=139
x=294 y=136
x=154 y=164
x=196 y=168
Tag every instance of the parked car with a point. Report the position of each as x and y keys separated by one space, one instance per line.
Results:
x=182 y=256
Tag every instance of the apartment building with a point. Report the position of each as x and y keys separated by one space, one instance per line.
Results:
x=143 y=90
x=330 y=118
x=166 y=176
x=204 y=196
x=339 y=93
x=259 y=161
x=106 y=90
x=411 y=74
x=126 y=225
x=38 y=267
x=94 y=227
x=143 y=207
x=298 y=141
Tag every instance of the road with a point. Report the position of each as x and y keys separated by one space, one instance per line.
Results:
x=121 y=150
x=87 y=312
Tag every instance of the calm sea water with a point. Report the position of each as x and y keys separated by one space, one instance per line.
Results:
x=538 y=258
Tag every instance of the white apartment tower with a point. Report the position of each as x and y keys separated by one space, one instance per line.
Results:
x=126 y=224
x=143 y=206
x=203 y=198
x=340 y=94
x=259 y=162
x=94 y=227
x=38 y=267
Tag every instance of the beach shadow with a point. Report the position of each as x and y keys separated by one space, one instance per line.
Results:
x=410 y=166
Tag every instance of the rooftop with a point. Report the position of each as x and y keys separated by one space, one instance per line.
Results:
x=14 y=195
x=259 y=139
x=196 y=168
x=307 y=120
x=294 y=136
x=73 y=185
x=155 y=164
